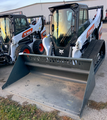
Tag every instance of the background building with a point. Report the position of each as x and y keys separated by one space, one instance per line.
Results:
x=42 y=8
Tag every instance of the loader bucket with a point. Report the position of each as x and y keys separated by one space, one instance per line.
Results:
x=62 y=83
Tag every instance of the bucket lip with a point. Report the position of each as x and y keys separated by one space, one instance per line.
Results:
x=58 y=57
x=91 y=73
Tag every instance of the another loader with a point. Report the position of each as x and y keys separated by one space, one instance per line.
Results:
x=17 y=35
x=63 y=78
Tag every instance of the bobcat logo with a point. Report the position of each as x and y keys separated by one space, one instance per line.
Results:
x=61 y=51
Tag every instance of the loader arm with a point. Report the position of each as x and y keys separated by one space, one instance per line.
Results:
x=32 y=28
x=87 y=34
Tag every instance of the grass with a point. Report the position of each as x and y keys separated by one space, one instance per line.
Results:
x=11 y=110
x=97 y=105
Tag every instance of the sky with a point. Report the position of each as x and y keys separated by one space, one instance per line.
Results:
x=6 y=5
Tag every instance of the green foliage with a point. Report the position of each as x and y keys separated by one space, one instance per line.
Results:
x=11 y=110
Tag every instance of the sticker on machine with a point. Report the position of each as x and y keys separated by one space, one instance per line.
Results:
x=26 y=33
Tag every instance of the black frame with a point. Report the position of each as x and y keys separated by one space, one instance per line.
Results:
x=37 y=17
x=19 y=16
x=75 y=7
x=12 y=19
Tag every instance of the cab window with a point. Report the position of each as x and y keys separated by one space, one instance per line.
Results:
x=20 y=25
x=83 y=16
x=5 y=29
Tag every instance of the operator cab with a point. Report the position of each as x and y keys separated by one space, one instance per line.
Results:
x=5 y=32
x=67 y=25
x=11 y=25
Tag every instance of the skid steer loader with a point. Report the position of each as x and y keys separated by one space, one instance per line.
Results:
x=63 y=78
x=17 y=35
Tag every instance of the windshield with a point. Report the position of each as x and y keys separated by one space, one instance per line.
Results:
x=63 y=26
x=5 y=29
x=20 y=25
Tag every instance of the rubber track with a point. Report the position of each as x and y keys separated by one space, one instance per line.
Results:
x=93 y=49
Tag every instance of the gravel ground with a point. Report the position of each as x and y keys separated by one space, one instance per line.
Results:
x=99 y=93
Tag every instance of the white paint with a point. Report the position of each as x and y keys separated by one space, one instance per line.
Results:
x=47 y=44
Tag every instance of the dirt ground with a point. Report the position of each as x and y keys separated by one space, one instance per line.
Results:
x=99 y=93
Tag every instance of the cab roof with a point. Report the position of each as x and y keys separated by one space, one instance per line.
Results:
x=11 y=15
x=64 y=6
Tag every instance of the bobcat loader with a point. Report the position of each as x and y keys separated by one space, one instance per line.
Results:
x=17 y=35
x=63 y=78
